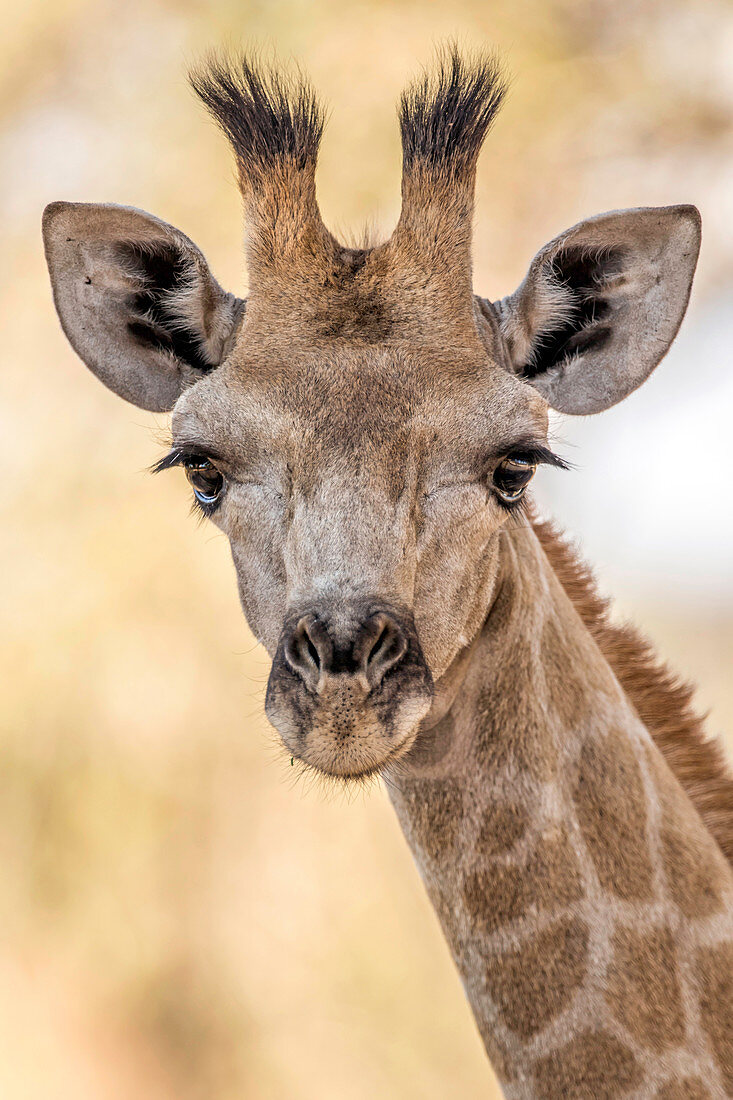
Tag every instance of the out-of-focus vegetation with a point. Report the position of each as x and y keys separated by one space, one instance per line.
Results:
x=178 y=919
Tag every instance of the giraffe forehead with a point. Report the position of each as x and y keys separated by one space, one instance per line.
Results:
x=383 y=404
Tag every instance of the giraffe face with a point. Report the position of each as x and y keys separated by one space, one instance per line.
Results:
x=347 y=480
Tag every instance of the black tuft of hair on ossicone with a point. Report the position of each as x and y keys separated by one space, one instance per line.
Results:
x=445 y=116
x=270 y=118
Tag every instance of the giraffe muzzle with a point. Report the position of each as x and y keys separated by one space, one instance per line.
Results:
x=349 y=686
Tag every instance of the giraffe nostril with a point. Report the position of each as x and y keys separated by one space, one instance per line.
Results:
x=379 y=646
x=308 y=650
x=383 y=646
x=312 y=651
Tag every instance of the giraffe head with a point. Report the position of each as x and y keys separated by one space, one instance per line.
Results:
x=363 y=425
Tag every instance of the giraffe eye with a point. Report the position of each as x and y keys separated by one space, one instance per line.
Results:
x=511 y=478
x=206 y=481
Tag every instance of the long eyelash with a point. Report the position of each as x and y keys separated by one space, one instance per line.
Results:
x=178 y=456
x=538 y=455
x=199 y=511
x=175 y=457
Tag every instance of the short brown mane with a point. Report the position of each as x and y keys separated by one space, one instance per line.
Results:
x=662 y=699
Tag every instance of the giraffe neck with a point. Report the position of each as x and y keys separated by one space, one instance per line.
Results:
x=587 y=908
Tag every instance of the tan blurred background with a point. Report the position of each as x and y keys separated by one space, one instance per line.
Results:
x=178 y=918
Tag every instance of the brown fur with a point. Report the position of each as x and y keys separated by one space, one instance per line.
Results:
x=643 y=989
x=715 y=966
x=689 y=1089
x=662 y=700
x=550 y=878
x=609 y=776
x=591 y=1065
x=536 y=981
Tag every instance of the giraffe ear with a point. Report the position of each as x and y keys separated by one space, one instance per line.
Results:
x=136 y=300
x=601 y=304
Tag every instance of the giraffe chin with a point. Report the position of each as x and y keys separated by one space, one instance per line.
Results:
x=344 y=737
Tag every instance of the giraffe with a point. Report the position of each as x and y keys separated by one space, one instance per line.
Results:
x=364 y=428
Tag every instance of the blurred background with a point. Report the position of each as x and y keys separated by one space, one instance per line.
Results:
x=178 y=917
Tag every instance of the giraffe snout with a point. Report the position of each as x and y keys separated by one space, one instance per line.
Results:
x=349 y=686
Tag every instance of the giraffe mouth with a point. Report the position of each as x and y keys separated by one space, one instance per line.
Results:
x=356 y=764
x=343 y=732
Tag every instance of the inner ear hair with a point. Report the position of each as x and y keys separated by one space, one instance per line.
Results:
x=600 y=305
x=570 y=307
x=166 y=310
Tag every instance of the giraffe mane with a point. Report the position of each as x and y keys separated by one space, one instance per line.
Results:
x=662 y=699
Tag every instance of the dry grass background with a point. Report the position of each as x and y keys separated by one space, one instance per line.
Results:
x=177 y=918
